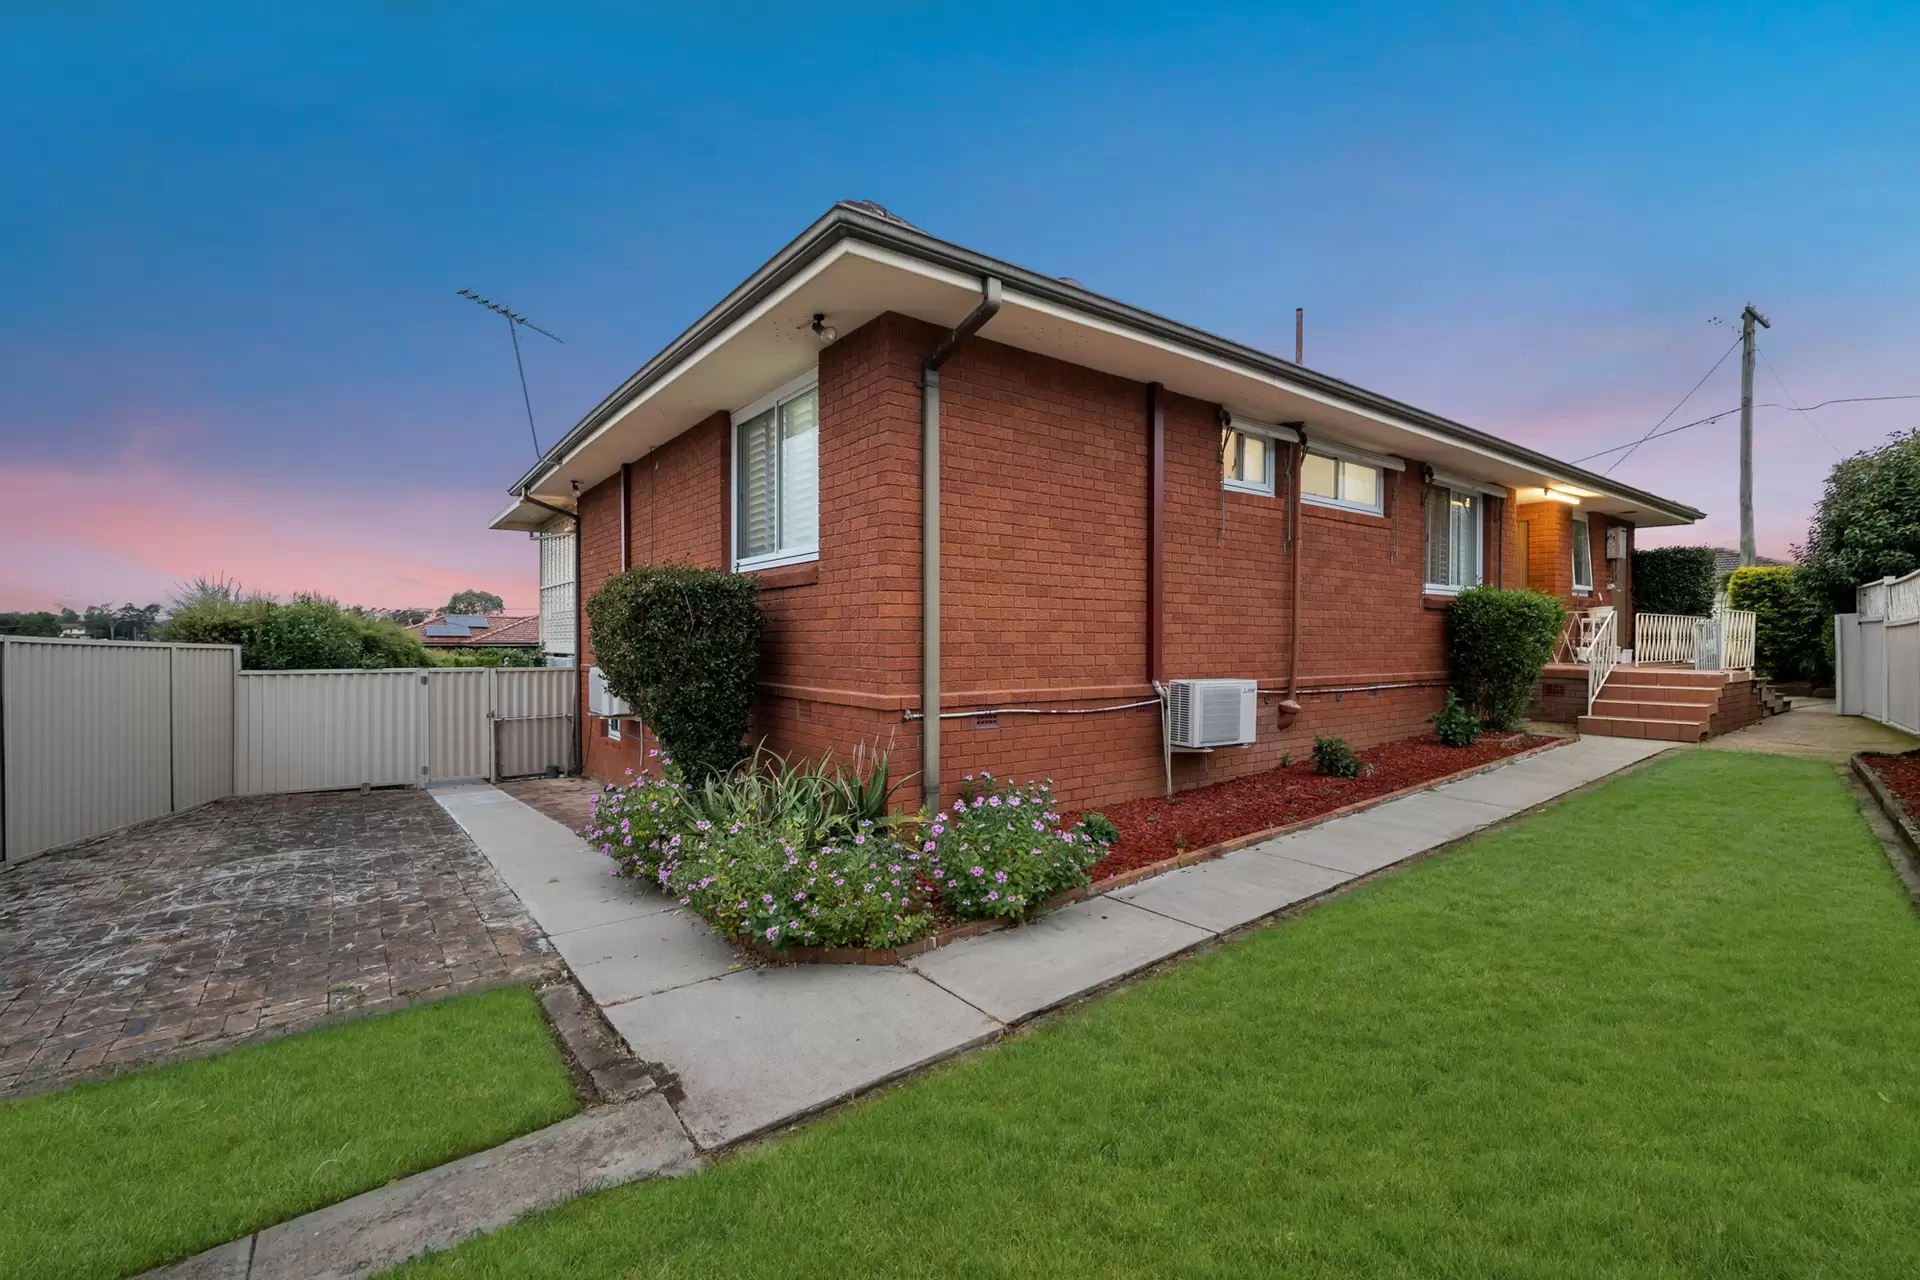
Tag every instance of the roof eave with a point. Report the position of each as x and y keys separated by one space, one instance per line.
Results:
x=843 y=221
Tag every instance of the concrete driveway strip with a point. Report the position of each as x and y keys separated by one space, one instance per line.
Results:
x=763 y=1047
x=1016 y=973
x=631 y=958
x=1231 y=891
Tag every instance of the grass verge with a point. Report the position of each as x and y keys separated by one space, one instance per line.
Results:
x=1668 y=1027
x=112 y=1178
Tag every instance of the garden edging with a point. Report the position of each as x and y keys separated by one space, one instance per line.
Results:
x=976 y=928
x=1908 y=867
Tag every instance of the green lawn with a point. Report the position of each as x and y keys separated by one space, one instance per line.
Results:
x=1669 y=1028
x=109 y=1179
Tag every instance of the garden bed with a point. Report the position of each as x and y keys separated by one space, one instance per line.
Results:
x=1900 y=775
x=1157 y=834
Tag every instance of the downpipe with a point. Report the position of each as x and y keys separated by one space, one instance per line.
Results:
x=989 y=305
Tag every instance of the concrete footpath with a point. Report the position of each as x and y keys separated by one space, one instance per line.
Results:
x=754 y=1048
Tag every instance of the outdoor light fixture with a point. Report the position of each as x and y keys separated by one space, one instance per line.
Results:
x=1558 y=496
x=822 y=330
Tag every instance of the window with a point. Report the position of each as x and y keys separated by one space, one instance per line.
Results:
x=1340 y=482
x=1247 y=462
x=776 y=468
x=1582 y=558
x=1453 y=540
x=613 y=728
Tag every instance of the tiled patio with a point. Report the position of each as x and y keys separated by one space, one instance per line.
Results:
x=244 y=918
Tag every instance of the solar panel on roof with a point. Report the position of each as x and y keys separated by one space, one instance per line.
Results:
x=472 y=620
x=445 y=631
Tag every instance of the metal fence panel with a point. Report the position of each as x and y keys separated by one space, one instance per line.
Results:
x=329 y=730
x=459 y=726
x=534 y=709
x=202 y=724
x=88 y=729
x=1847 y=676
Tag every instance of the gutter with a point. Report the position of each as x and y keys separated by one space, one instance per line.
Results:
x=844 y=222
x=990 y=297
x=579 y=614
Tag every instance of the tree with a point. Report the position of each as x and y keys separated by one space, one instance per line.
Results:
x=1867 y=525
x=475 y=602
x=29 y=624
x=310 y=633
x=128 y=622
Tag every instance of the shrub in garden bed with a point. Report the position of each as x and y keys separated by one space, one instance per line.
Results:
x=807 y=855
x=1501 y=640
x=1453 y=724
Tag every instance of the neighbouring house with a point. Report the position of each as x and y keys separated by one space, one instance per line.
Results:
x=479 y=631
x=998 y=497
x=1727 y=559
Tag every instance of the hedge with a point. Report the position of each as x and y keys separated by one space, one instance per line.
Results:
x=1673 y=580
x=1790 y=621
x=681 y=647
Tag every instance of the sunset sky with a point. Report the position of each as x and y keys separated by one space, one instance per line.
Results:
x=230 y=238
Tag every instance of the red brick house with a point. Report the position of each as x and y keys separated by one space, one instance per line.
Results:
x=969 y=487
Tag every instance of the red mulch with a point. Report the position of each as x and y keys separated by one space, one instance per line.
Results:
x=1902 y=776
x=1155 y=829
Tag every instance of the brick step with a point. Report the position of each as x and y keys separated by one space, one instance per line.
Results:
x=1672 y=676
x=1704 y=695
x=1637 y=709
x=1659 y=730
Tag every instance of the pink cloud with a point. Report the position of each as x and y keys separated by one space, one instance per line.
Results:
x=76 y=536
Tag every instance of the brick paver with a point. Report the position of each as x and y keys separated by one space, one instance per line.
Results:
x=243 y=918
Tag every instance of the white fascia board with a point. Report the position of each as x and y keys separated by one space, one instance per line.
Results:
x=767 y=304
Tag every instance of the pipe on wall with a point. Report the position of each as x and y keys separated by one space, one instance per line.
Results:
x=990 y=297
x=626 y=506
x=1157 y=534
x=579 y=634
x=1290 y=705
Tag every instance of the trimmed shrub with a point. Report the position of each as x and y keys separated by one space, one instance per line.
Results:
x=1673 y=580
x=1790 y=621
x=1334 y=758
x=1453 y=724
x=1501 y=641
x=999 y=851
x=680 y=646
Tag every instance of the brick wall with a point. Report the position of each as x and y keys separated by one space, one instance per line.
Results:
x=1044 y=584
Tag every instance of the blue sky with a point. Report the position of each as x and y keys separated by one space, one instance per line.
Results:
x=231 y=237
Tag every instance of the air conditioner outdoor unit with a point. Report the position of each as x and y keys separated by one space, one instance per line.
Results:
x=1212 y=713
x=600 y=699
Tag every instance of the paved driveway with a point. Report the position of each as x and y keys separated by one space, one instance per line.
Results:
x=243 y=918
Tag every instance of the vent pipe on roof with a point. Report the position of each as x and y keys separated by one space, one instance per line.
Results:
x=990 y=294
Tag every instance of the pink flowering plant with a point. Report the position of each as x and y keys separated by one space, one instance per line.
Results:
x=998 y=850
x=767 y=868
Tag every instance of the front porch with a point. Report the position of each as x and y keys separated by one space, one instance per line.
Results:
x=1682 y=680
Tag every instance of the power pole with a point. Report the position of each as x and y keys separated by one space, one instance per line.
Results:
x=1748 y=318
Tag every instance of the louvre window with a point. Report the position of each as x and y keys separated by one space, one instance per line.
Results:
x=776 y=459
x=1453 y=540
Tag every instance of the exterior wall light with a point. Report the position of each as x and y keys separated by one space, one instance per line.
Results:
x=822 y=330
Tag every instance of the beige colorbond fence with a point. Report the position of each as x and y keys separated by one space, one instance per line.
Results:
x=100 y=734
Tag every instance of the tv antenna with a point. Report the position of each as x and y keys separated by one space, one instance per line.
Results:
x=514 y=323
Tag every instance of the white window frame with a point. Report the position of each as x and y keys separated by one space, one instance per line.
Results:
x=808 y=381
x=1577 y=544
x=1345 y=458
x=613 y=728
x=1444 y=493
x=1265 y=489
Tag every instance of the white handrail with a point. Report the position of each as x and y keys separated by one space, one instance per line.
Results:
x=1603 y=654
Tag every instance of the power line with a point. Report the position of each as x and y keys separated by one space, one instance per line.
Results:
x=1727 y=413
x=1676 y=408
x=1794 y=400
